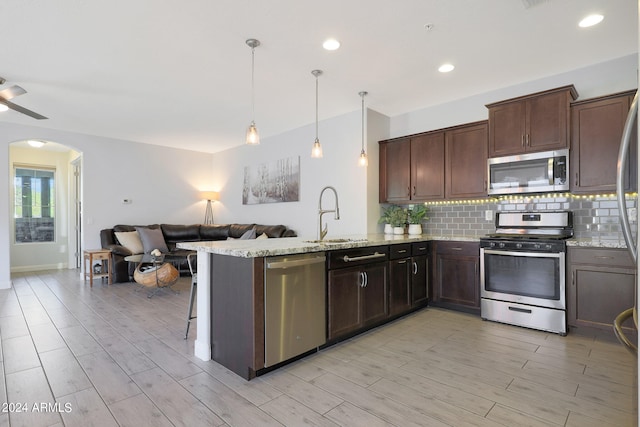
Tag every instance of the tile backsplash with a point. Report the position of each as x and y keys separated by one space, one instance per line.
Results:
x=594 y=217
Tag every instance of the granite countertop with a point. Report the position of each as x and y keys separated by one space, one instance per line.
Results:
x=591 y=243
x=296 y=245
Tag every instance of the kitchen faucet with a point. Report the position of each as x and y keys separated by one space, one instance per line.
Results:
x=321 y=232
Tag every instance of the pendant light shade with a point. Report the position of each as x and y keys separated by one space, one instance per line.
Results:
x=316 y=151
x=253 y=138
x=363 y=161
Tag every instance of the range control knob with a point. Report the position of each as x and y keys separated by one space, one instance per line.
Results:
x=548 y=246
x=501 y=244
x=537 y=245
x=519 y=245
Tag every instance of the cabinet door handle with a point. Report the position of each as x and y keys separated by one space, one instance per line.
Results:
x=603 y=257
x=404 y=261
x=522 y=140
x=415 y=268
x=347 y=258
x=528 y=141
x=361 y=279
x=366 y=279
x=456 y=249
x=414 y=190
x=576 y=179
x=573 y=278
x=401 y=251
x=408 y=191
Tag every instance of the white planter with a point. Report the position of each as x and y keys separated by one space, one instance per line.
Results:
x=388 y=229
x=398 y=230
x=415 y=229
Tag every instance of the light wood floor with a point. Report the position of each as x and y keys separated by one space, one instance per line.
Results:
x=110 y=356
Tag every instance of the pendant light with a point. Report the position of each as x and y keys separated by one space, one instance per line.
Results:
x=363 y=161
x=253 y=138
x=316 y=151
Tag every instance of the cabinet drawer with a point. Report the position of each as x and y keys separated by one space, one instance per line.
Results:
x=458 y=248
x=357 y=256
x=420 y=248
x=402 y=250
x=600 y=256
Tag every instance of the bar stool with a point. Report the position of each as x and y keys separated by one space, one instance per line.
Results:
x=192 y=294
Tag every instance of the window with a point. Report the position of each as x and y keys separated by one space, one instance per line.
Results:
x=34 y=207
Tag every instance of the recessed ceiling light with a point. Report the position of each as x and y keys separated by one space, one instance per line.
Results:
x=3 y=107
x=445 y=68
x=331 y=44
x=591 y=20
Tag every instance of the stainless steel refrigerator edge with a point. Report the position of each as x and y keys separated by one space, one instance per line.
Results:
x=625 y=226
x=295 y=308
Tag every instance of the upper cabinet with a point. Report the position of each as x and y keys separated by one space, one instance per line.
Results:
x=466 y=165
x=412 y=168
x=596 y=130
x=537 y=122
x=447 y=163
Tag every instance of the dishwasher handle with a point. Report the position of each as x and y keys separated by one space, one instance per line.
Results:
x=375 y=255
x=295 y=263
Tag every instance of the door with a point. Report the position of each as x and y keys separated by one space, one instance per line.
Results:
x=374 y=294
x=427 y=167
x=343 y=301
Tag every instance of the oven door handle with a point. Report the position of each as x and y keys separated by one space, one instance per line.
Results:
x=524 y=253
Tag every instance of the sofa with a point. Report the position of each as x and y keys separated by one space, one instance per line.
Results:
x=122 y=271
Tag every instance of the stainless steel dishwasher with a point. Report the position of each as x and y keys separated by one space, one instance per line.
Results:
x=295 y=309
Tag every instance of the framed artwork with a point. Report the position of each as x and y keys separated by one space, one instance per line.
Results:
x=273 y=182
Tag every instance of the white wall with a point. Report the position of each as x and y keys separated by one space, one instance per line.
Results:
x=162 y=182
x=341 y=142
x=601 y=79
x=39 y=256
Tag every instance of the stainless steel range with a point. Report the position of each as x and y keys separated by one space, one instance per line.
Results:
x=522 y=270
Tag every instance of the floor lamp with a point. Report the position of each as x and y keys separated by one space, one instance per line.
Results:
x=209 y=196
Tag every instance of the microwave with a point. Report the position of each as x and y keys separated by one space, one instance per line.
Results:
x=542 y=172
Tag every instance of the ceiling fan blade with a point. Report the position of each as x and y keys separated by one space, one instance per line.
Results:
x=22 y=110
x=12 y=92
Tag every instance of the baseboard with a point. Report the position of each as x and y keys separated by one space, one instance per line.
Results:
x=28 y=268
x=6 y=285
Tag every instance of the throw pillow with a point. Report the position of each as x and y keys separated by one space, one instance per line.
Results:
x=152 y=238
x=130 y=240
x=249 y=234
x=262 y=236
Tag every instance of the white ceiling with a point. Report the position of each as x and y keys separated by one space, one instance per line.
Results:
x=178 y=73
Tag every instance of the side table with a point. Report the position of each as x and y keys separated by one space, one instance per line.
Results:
x=92 y=255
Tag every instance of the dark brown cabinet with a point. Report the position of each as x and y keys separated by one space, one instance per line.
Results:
x=457 y=276
x=600 y=285
x=537 y=122
x=357 y=290
x=419 y=273
x=408 y=277
x=448 y=163
x=466 y=162
x=596 y=131
x=400 y=279
x=412 y=168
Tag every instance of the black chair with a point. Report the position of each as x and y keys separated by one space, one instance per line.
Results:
x=194 y=282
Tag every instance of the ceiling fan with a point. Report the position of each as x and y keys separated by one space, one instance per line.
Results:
x=12 y=92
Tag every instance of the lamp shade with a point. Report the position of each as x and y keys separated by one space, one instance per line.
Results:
x=210 y=195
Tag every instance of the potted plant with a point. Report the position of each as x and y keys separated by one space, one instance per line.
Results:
x=416 y=215
x=387 y=217
x=398 y=219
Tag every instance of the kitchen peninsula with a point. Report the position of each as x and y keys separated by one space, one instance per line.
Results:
x=231 y=288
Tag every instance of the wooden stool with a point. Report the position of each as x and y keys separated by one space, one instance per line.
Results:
x=92 y=255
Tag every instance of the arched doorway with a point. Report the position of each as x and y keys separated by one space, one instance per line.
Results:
x=45 y=198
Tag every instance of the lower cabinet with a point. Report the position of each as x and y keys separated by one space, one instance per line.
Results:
x=600 y=285
x=457 y=276
x=408 y=277
x=357 y=297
